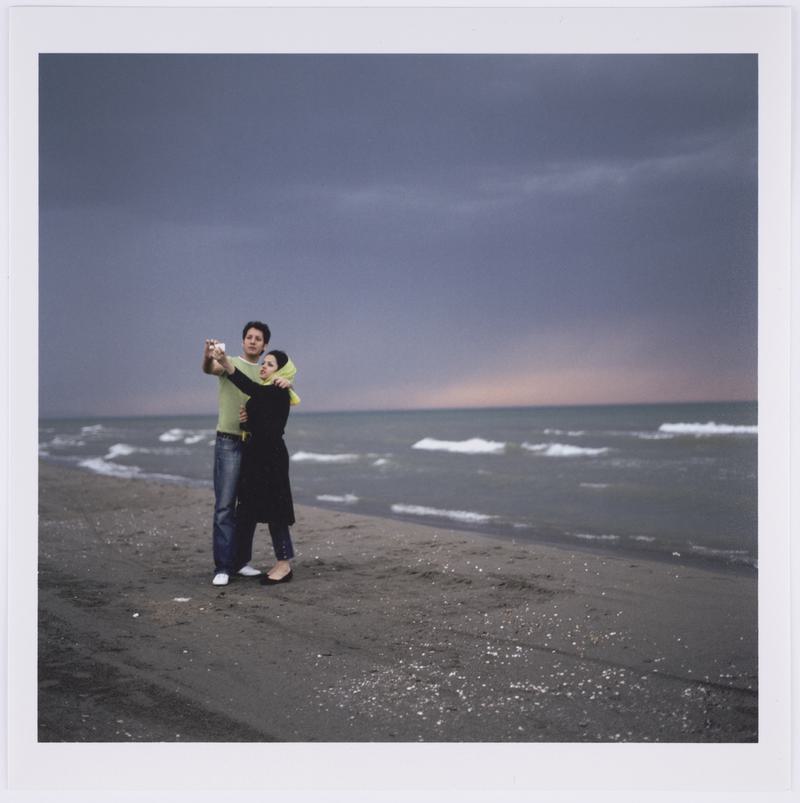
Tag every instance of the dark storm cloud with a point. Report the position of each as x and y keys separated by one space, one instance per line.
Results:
x=387 y=203
x=253 y=124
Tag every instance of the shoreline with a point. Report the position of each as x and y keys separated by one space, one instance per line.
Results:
x=391 y=631
x=537 y=537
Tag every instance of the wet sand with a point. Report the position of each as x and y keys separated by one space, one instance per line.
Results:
x=390 y=632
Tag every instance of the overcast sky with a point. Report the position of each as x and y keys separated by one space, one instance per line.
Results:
x=418 y=231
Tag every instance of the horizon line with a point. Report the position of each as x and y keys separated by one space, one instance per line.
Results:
x=77 y=416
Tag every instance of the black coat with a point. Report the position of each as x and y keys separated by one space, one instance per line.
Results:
x=264 y=491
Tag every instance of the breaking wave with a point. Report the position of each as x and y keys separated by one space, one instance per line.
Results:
x=708 y=429
x=316 y=457
x=455 y=515
x=731 y=555
x=471 y=446
x=119 y=450
x=563 y=450
x=589 y=537
x=125 y=449
x=347 y=499
x=100 y=466
x=64 y=441
x=188 y=436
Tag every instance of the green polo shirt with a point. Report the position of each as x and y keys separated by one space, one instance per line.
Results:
x=231 y=398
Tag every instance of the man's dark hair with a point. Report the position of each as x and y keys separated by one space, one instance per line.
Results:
x=262 y=327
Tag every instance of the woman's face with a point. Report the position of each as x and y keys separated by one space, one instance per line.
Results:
x=268 y=367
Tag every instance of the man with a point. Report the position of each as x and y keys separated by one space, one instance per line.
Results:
x=232 y=549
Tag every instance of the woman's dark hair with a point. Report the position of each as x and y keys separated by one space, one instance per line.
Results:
x=262 y=327
x=281 y=357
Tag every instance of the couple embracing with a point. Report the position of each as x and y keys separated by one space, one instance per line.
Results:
x=251 y=464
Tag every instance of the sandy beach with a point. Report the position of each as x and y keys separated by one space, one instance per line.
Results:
x=390 y=632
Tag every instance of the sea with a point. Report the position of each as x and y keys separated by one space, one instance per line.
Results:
x=676 y=482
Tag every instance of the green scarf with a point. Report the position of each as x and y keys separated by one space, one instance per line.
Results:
x=287 y=372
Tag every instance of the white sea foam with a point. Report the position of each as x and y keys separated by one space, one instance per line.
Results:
x=647 y=538
x=732 y=555
x=65 y=441
x=348 y=499
x=455 y=515
x=92 y=430
x=188 y=436
x=595 y=485
x=471 y=446
x=707 y=429
x=171 y=435
x=120 y=450
x=381 y=461
x=125 y=449
x=654 y=436
x=590 y=537
x=100 y=466
x=563 y=450
x=315 y=457
x=573 y=433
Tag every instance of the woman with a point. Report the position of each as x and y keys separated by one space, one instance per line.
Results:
x=264 y=491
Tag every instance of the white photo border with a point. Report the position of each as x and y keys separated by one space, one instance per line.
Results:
x=471 y=768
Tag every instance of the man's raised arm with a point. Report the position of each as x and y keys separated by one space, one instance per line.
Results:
x=210 y=366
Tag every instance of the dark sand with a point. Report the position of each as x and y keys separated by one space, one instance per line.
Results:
x=390 y=632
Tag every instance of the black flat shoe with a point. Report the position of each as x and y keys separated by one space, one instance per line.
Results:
x=266 y=580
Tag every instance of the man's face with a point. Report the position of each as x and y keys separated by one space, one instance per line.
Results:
x=253 y=343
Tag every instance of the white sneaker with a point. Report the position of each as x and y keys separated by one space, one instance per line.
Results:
x=248 y=571
x=220 y=579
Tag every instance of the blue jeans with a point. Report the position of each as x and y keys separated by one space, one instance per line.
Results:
x=232 y=548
